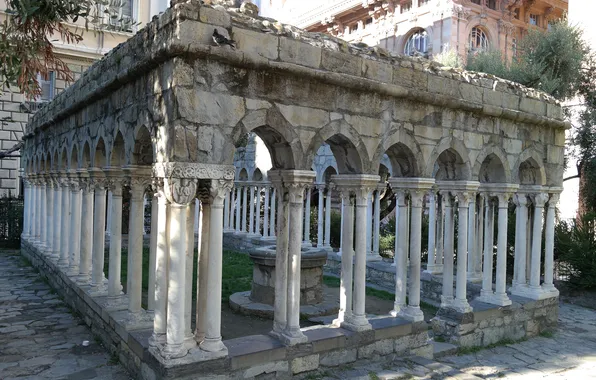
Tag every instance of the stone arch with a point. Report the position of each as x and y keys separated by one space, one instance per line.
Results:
x=243 y=175
x=277 y=134
x=351 y=155
x=56 y=160
x=492 y=166
x=64 y=160
x=327 y=173
x=384 y=173
x=452 y=157
x=117 y=151
x=403 y=161
x=86 y=155
x=400 y=146
x=99 y=154
x=529 y=169
x=74 y=157
x=142 y=150
x=257 y=175
x=478 y=22
x=406 y=37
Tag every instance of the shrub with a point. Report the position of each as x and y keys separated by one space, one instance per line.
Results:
x=387 y=245
x=575 y=246
x=11 y=221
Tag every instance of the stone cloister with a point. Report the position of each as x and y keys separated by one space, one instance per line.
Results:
x=162 y=114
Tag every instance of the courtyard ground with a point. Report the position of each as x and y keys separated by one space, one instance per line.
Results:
x=40 y=338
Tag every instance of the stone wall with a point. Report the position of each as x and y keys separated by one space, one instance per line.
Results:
x=489 y=324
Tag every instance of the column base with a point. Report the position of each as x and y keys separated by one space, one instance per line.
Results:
x=306 y=244
x=434 y=269
x=474 y=277
x=98 y=290
x=495 y=299
x=83 y=279
x=173 y=351
x=157 y=340
x=213 y=345
x=356 y=323
x=73 y=271
x=293 y=336
x=119 y=302
x=342 y=316
x=413 y=313
x=554 y=292
x=461 y=305
x=535 y=293
x=446 y=301
x=397 y=310
x=62 y=263
x=373 y=257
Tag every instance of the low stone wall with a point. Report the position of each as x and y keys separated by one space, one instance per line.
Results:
x=249 y=357
x=382 y=274
x=488 y=324
x=243 y=242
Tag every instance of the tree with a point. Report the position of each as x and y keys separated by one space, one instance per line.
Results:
x=26 y=36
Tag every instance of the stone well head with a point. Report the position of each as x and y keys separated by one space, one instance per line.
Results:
x=311 y=276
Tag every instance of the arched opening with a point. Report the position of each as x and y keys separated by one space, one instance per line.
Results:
x=117 y=152
x=142 y=153
x=529 y=173
x=86 y=156
x=282 y=156
x=492 y=170
x=64 y=160
x=478 y=40
x=74 y=158
x=346 y=155
x=99 y=157
x=328 y=173
x=403 y=161
x=257 y=175
x=243 y=175
x=417 y=43
x=450 y=166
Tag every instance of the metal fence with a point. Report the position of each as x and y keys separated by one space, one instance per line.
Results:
x=11 y=221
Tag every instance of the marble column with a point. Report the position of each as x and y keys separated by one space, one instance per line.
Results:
x=203 y=270
x=447 y=293
x=266 y=213
x=227 y=212
x=274 y=200
x=461 y=303
x=152 y=251
x=472 y=257
x=500 y=297
x=57 y=243
x=26 y=206
x=549 y=246
x=86 y=227
x=535 y=290
x=320 y=215
x=139 y=178
x=521 y=223
x=244 y=207
x=369 y=224
x=281 y=253
x=109 y=214
x=431 y=266
x=413 y=312
x=99 y=222
x=39 y=226
x=401 y=255
x=439 y=240
x=231 y=226
x=50 y=215
x=43 y=216
x=487 y=293
x=213 y=341
x=65 y=222
x=327 y=240
x=190 y=256
x=238 y=204
x=74 y=246
x=306 y=227
x=158 y=338
x=341 y=231
x=377 y=221
x=347 y=265
x=362 y=191
x=32 y=208
x=115 y=180
x=258 y=211
x=479 y=237
x=251 y=222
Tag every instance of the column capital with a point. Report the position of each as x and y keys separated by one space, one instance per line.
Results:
x=73 y=178
x=424 y=184
x=194 y=170
x=180 y=191
x=503 y=199
x=115 y=180
x=540 y=199
x=554 y=199
x=520 y=200
x=218 y=190
x=417 y=198
x=97 y=178
x=464 y=198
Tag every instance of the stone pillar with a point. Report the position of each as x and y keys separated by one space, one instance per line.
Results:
x=32 y=208
x=158 y=338
x=549 y=246
x=203 y=270
x=377 y=221
x=49 y=215
x=99 y=222
x=327 y=240
x=272 y=221
x=320 y=216
x=535 y=290
x=281 y=253
x=109 y=215
x=439 y=241
x=39 y=225
x=347 y=266
x=306 y=227
x=479 y=237
x=115 y=180
x=86 y=227
x=431 y=266
x=232 y=207
x=258 y=211
x=266 y=213
x=401 y=256
x=472 y=257
x=251 y=222
x=413 y=312
x=65 y=222
x=139 y=177
x=500 y=297
x=75 y=224
x=369 y=224
x=447 y=294
x=521 y=213
x=341 y=231
x=461 y=303
x=190 y=256
x=244 y=207
x=152 y=251
x=213 y=341
x=42 y=219
x=486 y=294
x=238 y=213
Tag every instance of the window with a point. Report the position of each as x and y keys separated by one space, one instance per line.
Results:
x=549 y=26
x=405 y=7
x=516 y=13
x=533 y=19
x=417 y=43
x=492 y=4
x=478 y=40
x=354 y=28
x=368 y=22
x=47 y=83
x=121 y=15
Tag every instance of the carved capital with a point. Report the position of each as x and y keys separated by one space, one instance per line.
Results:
x=218 y=190
x=540 y=199
x=362 y=195
x=503 y=199
x=296 y=191
x=417 y=198
x=180 y=190
x=464 y=198
x=554 y=199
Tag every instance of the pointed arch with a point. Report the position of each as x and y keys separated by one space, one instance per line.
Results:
x=243 y=175
x=99 y=154
x=403 y=152
x=450 y=158
x=492 y=166
x=529 y=168
x=142 y=152
x=86 y=155
x=117 y=151
x=73 y=159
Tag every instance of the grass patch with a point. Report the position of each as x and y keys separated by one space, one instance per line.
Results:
x=236 y=274
x=332 y=282
x=440 y=339
x=373 y=376
x=547 y=334
x=114 y=360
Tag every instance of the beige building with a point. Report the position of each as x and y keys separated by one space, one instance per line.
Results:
x=422 y=27
x=15 y=109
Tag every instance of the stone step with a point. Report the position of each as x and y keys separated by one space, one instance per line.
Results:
x=441 y=369
x=441 y=349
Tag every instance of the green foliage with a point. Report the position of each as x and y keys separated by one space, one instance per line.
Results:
x=575 y=245
x=11 y=221
x=387 y=245
x=449 y=57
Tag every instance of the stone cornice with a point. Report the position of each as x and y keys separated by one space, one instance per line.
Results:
x=193 y=170
x=174 y=34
